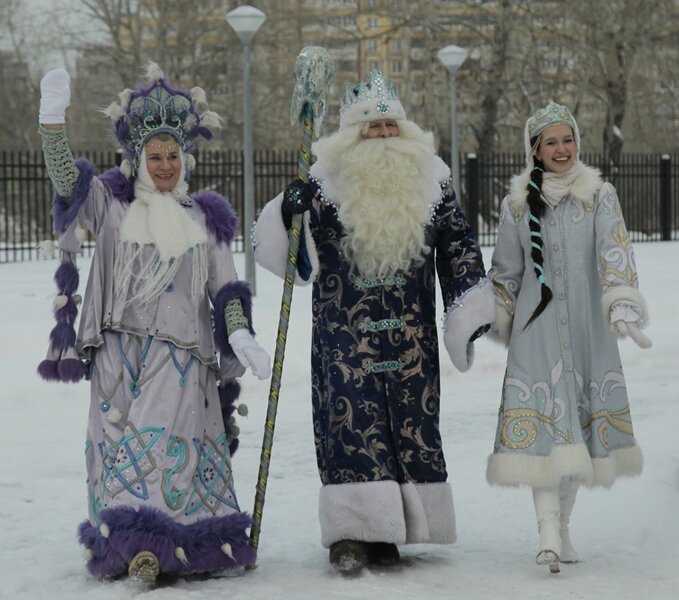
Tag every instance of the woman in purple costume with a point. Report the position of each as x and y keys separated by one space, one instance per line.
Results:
x=164 y=332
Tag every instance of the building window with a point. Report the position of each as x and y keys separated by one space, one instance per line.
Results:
x=396 y=66
x=373 y=46
x=373 y=23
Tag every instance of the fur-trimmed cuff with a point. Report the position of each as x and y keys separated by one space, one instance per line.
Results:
x=429 y=513
x=206 y=546
x=65 y=210
x=270 y=241
x=386 y=511
x=231 y=290
x=474 y=309
x=623 y=293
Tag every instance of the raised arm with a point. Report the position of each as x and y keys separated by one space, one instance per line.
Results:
x=55 y=97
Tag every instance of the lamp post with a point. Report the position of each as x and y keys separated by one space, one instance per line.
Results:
x=452 y=58
x=245 y=21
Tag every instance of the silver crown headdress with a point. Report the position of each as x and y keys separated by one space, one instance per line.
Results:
x=543 y=118
x=159 y=107
x=370 y=101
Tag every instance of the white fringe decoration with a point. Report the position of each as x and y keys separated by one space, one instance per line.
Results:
x=104 y=530
x=80 y=233
x=154 y=275
x=242 y=410
x=88 y=554
x=77 y=298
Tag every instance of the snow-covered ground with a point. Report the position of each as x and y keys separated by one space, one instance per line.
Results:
x=627 y=537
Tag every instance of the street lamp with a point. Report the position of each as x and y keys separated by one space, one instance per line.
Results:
x=452 y=58
x=245 y=21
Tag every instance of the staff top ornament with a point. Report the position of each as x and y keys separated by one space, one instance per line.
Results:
x=312 y=73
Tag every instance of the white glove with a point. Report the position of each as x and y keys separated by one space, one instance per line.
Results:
x=55 y=96
x=625 y=321
x=250 y=354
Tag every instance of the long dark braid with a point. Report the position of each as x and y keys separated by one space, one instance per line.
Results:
x=536 y=210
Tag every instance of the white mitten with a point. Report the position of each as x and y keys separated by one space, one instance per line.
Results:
x=625 y=321
x=250 y=354
x=55 y=96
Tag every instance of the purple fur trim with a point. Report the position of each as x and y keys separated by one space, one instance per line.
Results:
x=66 y=278
x=133 y=530
x=228 y=394
x=121 y=187
x=68 y=312
x=71 y=370
x=48 y=370
x=63 y=336
x=64 y=210
x=233 y=289
x=220 y=219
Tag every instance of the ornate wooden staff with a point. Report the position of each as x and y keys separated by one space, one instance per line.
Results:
x=312 y=73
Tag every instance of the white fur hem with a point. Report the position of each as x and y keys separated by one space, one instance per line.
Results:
x=475 y=309
x=571 y=461
x=270 y=240
x=623 y=293
x=385 y=511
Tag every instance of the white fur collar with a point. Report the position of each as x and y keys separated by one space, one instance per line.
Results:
x=585 y=187
x=436 y=173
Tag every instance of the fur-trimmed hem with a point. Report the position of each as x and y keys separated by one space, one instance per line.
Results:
x=386 y=511
x=463 y=318
x=623 y=293
x=572 y=461
x=131 y=530
x=270 y=240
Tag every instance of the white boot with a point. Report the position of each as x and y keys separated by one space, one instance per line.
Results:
x=547 y=510
x=567 y=492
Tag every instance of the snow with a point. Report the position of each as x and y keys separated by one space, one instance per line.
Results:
x=627 y=537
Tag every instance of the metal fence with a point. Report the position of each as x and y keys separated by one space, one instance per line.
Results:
x=646 y=183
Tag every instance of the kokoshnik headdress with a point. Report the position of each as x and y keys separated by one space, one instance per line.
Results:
x=370 y=100
x=545 y=117
x=158 y=107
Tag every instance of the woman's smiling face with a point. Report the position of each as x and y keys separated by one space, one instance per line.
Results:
x=163 y=163
x=556 y=148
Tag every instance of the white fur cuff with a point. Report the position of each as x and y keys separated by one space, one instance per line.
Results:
x=623 y=294
x=370 y=512
x=270 y=240
x=385 y=511
x=475 y=309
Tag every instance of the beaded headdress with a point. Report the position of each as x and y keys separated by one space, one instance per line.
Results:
x=158 y=107
x=543 y=118
x=370 y=101
x=548 y=116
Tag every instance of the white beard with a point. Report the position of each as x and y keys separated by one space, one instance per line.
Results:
x=383 y=207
